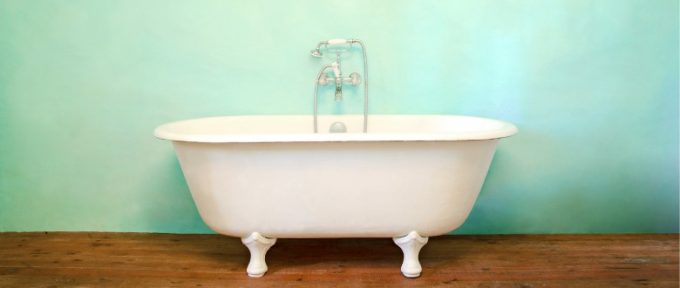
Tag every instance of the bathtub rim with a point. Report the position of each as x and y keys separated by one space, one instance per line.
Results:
x=505 y=129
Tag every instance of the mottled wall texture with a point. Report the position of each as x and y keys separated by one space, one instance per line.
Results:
x=591 y=84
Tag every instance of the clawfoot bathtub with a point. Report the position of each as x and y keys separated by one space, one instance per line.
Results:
x=266 y=177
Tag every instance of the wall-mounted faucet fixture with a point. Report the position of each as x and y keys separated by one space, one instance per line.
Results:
x=337 y=78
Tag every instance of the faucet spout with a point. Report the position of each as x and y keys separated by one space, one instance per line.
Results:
x=338 y=92
x=338 y=78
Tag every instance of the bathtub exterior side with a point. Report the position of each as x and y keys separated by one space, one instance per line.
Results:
x=335 y=189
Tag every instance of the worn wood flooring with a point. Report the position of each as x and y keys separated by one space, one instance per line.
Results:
x=172 y=260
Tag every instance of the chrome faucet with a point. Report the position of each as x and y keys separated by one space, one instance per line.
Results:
x=354 y=78
x=335 y=66
x=337 y=78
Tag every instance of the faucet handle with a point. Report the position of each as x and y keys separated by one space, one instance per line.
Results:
x=354 y=79
x=323 y=79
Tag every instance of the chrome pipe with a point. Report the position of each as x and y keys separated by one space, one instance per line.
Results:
x=316 y=96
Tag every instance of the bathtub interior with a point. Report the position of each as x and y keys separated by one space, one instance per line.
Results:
x=292 y=128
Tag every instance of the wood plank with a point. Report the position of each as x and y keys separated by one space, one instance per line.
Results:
x=171 y=260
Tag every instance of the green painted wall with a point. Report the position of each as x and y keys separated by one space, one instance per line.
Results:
x=592 y=85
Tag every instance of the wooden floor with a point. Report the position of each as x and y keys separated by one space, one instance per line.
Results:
x=169 y=260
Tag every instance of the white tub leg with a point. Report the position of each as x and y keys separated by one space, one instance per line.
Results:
x=258 y=246
x=410 y=245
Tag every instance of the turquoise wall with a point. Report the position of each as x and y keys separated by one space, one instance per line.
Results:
x=592 y=85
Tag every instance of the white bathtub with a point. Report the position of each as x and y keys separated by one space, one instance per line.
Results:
x=267 y=177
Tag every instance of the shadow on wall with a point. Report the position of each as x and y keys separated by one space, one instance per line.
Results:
x=495 y=195
x=508 y=198
x=173 y=210
x=583 y=190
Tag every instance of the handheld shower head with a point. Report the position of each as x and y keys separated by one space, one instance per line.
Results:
x=325 y=44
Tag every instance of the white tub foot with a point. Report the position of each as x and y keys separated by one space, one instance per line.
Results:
x=410 y=245
x=258 y=246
